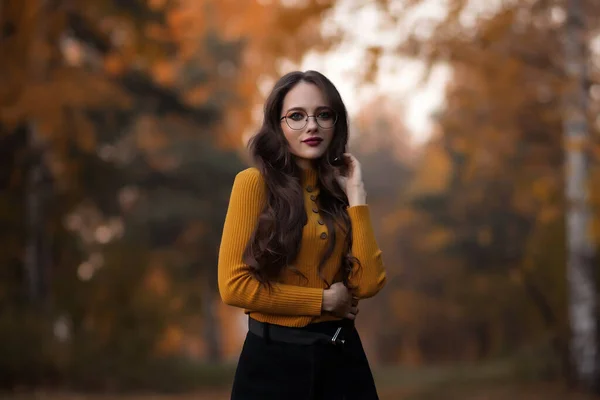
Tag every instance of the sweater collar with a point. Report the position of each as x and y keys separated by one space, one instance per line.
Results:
x=309 y=177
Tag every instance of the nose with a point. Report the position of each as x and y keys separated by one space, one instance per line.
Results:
x=311 y=125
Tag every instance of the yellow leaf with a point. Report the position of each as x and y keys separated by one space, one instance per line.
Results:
x=85 y=134
x=434 y=172
x=171 y=341
x=148 y=137
x=157 y=281
x=436 y=239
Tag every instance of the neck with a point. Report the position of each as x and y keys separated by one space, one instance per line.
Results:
x=305 y=164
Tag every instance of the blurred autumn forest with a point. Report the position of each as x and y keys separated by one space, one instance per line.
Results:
x=122 y=125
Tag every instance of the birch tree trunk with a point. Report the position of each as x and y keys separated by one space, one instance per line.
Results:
x=580 y=245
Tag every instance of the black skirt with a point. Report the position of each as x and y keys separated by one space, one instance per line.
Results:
x=275 y=370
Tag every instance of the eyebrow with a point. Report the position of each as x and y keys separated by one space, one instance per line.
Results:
x=303 y=109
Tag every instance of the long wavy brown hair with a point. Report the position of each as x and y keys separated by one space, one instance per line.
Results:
x=275 y=242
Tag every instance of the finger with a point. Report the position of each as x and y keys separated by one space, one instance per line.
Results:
x=341 y=180
x=352 y=162
x=352 y=313
x=351 y=158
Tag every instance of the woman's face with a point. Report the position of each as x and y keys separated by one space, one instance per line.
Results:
x=308 y=140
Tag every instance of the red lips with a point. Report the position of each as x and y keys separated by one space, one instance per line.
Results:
x=313 y=141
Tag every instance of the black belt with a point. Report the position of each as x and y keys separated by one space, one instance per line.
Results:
x=286 y=334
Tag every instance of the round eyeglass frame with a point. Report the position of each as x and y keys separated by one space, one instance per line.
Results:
x=306 y=121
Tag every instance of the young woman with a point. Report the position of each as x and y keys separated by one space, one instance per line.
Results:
x=298 y=251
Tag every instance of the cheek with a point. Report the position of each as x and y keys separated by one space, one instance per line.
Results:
x=292 y=138
x=328 y=136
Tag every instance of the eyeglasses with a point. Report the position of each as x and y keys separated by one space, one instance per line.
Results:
x=297 y=119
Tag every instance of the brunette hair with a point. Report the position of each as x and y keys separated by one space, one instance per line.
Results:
x=275 y=242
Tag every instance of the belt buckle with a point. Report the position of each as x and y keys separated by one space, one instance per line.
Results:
x=334 y=339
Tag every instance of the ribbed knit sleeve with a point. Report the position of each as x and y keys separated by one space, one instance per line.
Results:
x=369 y=277
x=236 y=285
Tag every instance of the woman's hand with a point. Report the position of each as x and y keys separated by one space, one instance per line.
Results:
x=338 y=300
x=352 y=184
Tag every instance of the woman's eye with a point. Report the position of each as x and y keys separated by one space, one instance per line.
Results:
x=325 y=115
x=296 y=116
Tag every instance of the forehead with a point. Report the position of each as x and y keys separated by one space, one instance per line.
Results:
x=305 y=95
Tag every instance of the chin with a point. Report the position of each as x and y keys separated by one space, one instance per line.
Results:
x=311 y=155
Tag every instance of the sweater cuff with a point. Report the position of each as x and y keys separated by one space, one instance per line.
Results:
x=360 y=214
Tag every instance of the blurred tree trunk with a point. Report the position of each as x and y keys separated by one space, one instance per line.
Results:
x=34 y=218
x=37 y=260
x=580 y=246
x=210 y=320
x=38 y=253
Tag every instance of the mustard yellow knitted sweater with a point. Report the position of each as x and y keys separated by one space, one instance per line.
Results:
x=294 y=300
